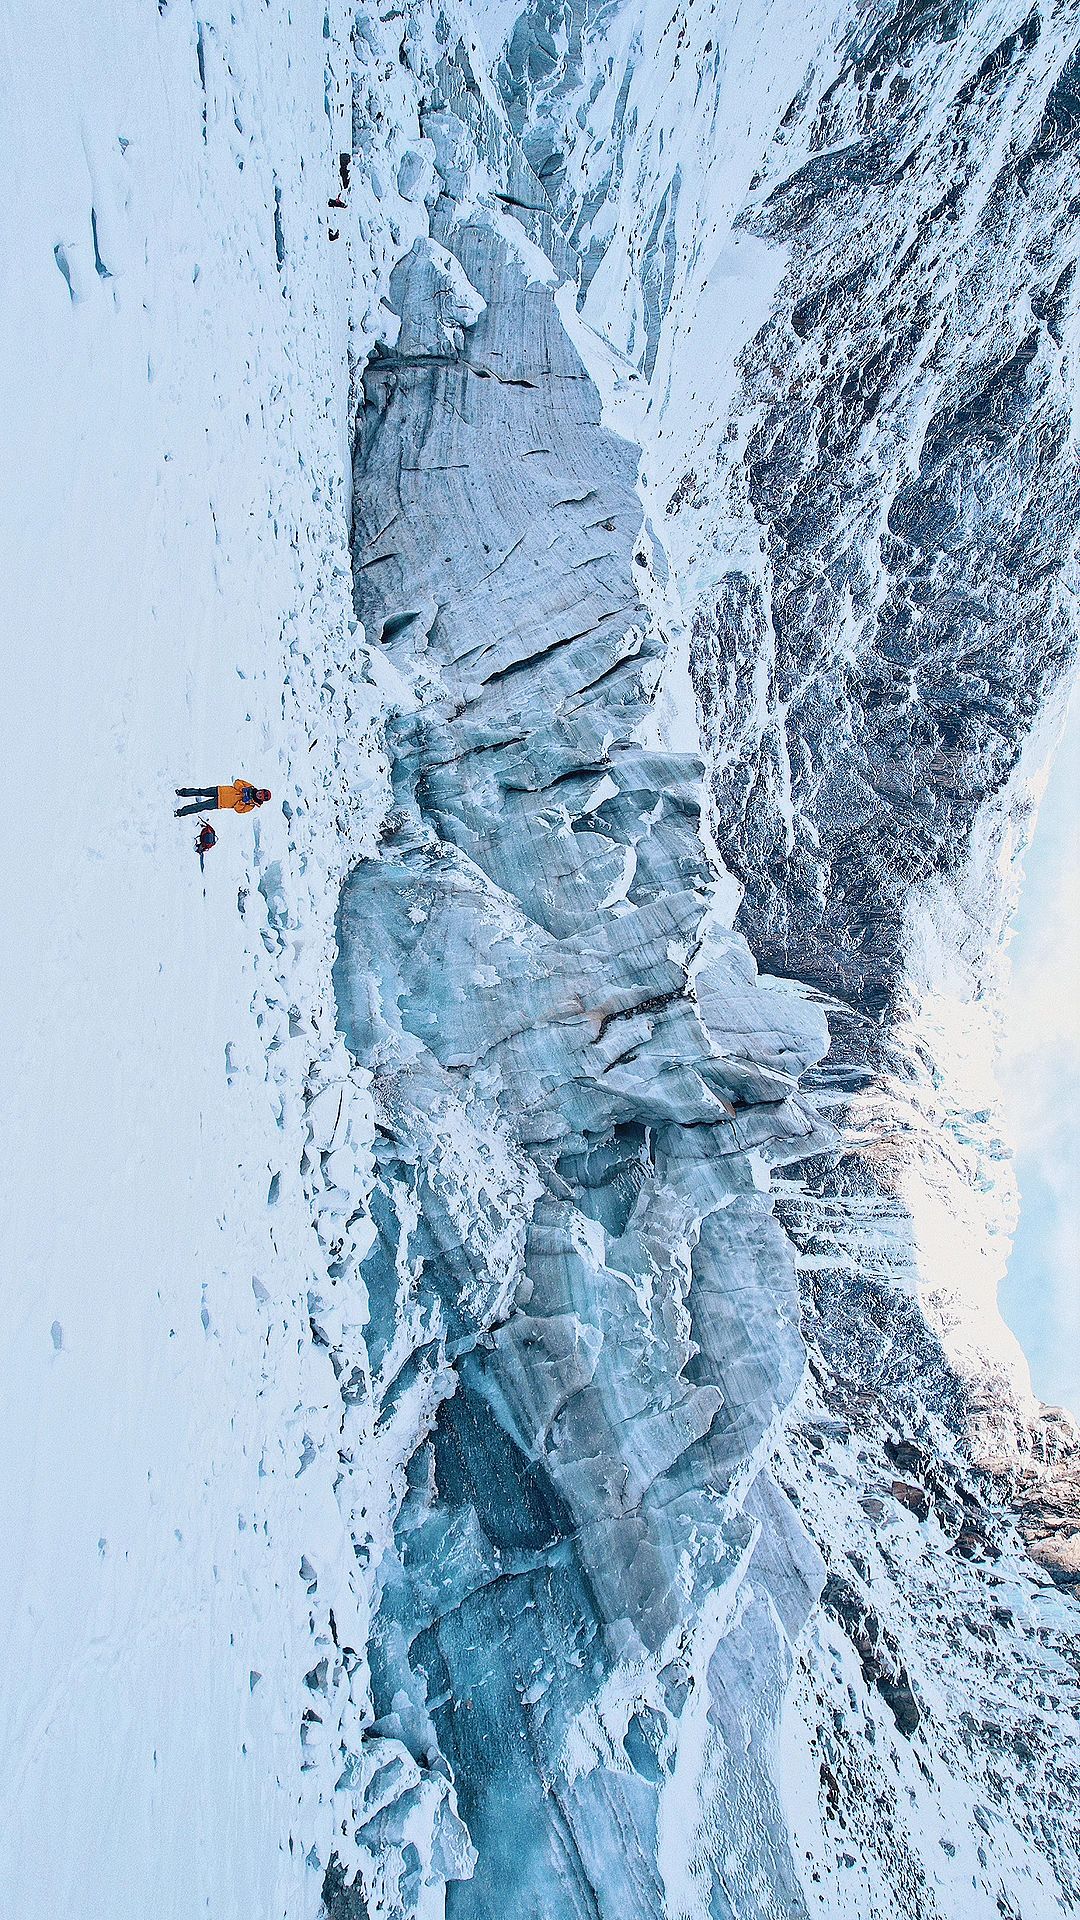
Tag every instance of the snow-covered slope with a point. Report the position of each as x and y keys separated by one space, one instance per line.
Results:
x=177 y=601
x=504 y=1410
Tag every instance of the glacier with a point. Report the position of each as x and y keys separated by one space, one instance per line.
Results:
x=604 y=1576
x=567 y=1460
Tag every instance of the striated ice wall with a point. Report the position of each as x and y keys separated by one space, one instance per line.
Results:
x=668 y=1622
x=579 y=1093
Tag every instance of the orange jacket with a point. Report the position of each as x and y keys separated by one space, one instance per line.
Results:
x=234 y=796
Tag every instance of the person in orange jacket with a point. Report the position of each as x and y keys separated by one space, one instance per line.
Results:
x=242 y=797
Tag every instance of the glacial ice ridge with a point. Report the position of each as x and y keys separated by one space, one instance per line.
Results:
x=523 y=970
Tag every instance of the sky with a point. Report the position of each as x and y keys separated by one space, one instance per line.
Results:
x=1040 y=1074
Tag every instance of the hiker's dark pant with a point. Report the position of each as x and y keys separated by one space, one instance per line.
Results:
x=203 y=800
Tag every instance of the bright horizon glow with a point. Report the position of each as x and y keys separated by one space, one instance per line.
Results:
x=1040 y=1077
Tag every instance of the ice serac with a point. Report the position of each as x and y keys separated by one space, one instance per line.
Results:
x=594 y=1585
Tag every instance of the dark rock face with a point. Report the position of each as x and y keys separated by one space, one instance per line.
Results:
x=907 y=448
x=881 y=1666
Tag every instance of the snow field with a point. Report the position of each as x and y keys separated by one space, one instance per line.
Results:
x=175 y=371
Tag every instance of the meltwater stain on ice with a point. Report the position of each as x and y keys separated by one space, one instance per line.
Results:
x=60 y=255
x=101 y=269
x=279 y=230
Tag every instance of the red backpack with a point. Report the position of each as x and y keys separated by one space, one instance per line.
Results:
x=205 y=839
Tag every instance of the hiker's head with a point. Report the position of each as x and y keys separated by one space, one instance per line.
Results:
x=261 y=794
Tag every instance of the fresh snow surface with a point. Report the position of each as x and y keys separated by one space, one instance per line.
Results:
x=174 y=399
